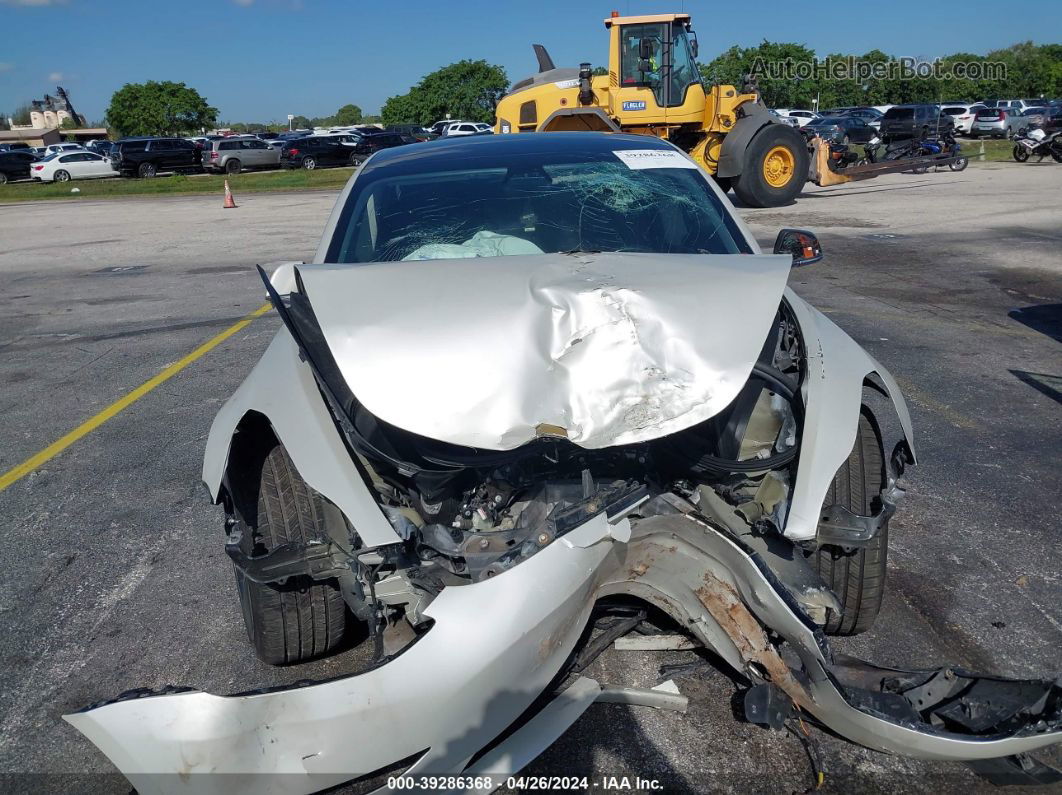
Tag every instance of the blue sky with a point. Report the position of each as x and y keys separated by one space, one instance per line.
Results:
x=258 y=60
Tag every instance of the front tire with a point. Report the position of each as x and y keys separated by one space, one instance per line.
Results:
x=775 y=168
x=147 y=170
x=1020 y=153
x=297 y=621
x=960 y=164
x=858 y=576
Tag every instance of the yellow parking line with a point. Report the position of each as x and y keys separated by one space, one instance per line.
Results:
x=89 y=425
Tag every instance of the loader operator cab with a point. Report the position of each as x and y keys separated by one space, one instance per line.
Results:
x=659 y=56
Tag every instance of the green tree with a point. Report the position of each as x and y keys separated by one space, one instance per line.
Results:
x=154 y=108
x=68 y=124
x=300 y=123
x=348 y=115
x=466 y=90
x=733 y=65
x=370 y=119
x=21 y=116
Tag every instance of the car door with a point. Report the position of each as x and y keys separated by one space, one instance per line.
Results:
x=248 y=155
x=859 y=131
x=160 y=152
x=338 y=155
x=94 y=165
x=72 y=164
x=263 y=155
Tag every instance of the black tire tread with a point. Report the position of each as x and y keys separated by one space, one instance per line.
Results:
x=749 y=185
x=857 y=578
x=300 y=620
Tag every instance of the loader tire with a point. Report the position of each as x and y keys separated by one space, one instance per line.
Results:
x=857 y=577
x=775 y=168
x=301 y=619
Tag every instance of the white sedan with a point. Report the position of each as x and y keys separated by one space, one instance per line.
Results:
x=73 y=165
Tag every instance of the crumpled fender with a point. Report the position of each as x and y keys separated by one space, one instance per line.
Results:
x=493 y=648
x=837 y=368
x=282 y=387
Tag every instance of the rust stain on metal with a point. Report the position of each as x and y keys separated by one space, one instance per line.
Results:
x=726 y=607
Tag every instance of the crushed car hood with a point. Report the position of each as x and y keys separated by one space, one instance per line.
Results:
x=492 y=352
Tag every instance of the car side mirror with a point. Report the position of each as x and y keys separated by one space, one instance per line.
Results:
x=801 y=244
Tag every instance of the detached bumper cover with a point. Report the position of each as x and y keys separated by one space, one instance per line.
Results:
x=497 y=644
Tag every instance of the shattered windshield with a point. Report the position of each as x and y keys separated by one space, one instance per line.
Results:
x=651 y=200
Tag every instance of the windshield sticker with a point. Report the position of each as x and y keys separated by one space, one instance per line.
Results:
x=654 y=158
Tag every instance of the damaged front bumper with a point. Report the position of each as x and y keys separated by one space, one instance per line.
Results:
x=460 y=699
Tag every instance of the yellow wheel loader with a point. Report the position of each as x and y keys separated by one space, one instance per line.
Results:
x=653 y=87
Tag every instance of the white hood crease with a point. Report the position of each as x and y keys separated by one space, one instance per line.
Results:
x=614 y=348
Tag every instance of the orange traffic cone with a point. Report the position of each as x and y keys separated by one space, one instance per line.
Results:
x=229 y=203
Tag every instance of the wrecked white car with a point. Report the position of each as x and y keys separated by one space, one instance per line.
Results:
x=524 y=376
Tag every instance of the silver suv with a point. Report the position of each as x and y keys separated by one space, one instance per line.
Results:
x=232 y=155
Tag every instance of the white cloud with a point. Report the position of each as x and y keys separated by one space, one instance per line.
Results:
x=6 y=67
x=55 y=77
x=34 y=2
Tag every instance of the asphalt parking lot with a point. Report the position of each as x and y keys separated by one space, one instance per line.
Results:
x=114 y=574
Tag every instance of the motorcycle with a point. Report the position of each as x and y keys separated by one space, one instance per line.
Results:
x=1037 y=142
x=911 y=148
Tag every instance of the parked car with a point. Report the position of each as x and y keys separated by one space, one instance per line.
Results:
x=1020 y=105
x=914 y=121
x=460 y=128
x=1053 y=122
x=146 y=157
x=442 y=124
x=871 y=116
x=996 y=123
x=15 y=165
x=1033 y=117
x=54 y=149
x=791 y=122
x=278 y=142
x=14 y=146
x=385 y=140
x=318 y=151
x=840 y=129
x=101 y=148
x=345 y=137
x=962 y=116
x=802 y=116
x=232 y=155
x=547 y=383
x=66 y=166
